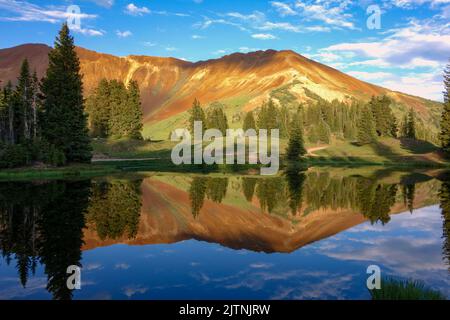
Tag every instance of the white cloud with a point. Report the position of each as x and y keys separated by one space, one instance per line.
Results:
x=427 y=85
x=26 y=11
x=134 y=10
x=283 y=8
x=122 y=266
x=171 y=49
x=123 y=34
x=247 y=49
x=286 y=26
x=368 y=76
x=330 y=12
x=131 y=290
x=263 y=36
x=87 y=31
x=149 y=44
x=417 y=45
x=219 y=52
x=196 y=37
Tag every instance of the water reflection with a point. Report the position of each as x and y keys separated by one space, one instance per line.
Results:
x=49 y=224
x=43 y=222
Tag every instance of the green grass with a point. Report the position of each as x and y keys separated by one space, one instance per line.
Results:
x=386 y=151
x=71 y=171
x=392 y=289
x=132 y=149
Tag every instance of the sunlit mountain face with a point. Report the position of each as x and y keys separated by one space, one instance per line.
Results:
x=301 y=235
x=240 y=82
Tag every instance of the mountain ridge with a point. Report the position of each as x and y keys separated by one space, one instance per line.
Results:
x=241 y=81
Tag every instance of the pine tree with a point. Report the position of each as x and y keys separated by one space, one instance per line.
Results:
x=63 y=120
x=445 y=119
x=385 y=122
x=295 y=148
x=196 y=114
x=249 y=121
x=134 y=113
x=118 y=124
x=24 y=103
x=323 y=131
x=411 y=125
x=98 y=107
x=366 y=127
x=216 y=118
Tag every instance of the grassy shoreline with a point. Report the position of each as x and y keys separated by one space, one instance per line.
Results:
x=119 y=156
x=100 y=168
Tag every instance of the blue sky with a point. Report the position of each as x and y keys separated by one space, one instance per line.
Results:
x=407 y=53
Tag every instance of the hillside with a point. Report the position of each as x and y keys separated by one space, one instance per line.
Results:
x=240 y=81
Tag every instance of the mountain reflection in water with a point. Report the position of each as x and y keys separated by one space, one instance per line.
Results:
x=45 y=226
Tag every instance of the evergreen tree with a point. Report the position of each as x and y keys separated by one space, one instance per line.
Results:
x=216 y=118
x=98 y=107
x=197 y=193
x=444 y=195
x=114 y=208
x=24 y=104
x=410 y=129
x=119 y=124
x=323 y=132
x=385 y=122
x=268 y=117
x=445 y=118
x=249 y=121
x=216 y=189
x=63 y=120
x=295 y=148
x=366 y=127
x=248 y=187
x=134 y=113
x=196 y=113
x=295 y=180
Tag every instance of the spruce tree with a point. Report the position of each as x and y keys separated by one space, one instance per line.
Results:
x=295 y=148
x=366 y=127
x=118 y=124
x=385 y=122
x=411 y=125
x=63 y=119
x=216 y=118
x=196 y=114
x=134 y=113
x=445 y=118
x=249 y=121
x=98 y=107
x=24 y=103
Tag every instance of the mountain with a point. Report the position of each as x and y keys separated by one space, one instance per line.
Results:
x=166 y=217
x=239 y=81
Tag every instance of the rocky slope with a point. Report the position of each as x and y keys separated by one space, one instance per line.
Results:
x=240 y=81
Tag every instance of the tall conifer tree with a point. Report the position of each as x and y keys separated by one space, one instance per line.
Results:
x=63 y=119
x=445 y=119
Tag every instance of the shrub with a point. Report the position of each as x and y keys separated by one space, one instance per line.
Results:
x=55 y=157
x=12 y=156
x=392 y=289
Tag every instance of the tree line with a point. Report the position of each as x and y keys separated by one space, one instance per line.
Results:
x=45 y=120
x=49 y=121
x=114 y=110
x=318 y=122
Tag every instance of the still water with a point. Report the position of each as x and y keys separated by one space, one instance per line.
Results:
x=302 y=235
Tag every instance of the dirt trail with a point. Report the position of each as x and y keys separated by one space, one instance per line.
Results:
x=314 y=149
